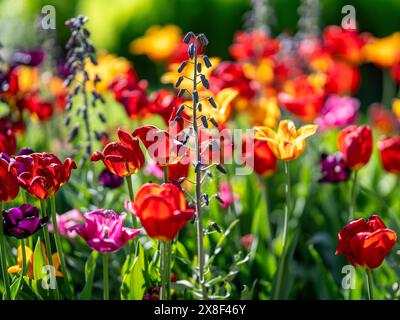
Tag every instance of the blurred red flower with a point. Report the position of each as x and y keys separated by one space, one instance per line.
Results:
x=302 y=98
x=162 y=210
x=355 y=143
x=43 y=110
x=389 y=148
x=344 y=43
x=253 y=45
x=122 y=158
x=366 y=242
x=263 y=161
x=8 y=182
x=8 y=142
x=163 y=102
x=342 y=78
x=41 y=174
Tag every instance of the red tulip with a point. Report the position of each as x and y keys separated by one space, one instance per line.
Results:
x=8 y=143
x=163 y=102
x=262 y=160
x=122 y=158
x=8 y=182
x=162 y=210
x=366 y=242
x=38 y=108
x=389 y=148
x=355 y=143
x=42 y=174
x=161 y=146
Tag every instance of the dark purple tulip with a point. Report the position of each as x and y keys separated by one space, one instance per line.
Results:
x=334 y=168
x=25 y=152
x=110 y=180
x=31 y=58
x=23 y=221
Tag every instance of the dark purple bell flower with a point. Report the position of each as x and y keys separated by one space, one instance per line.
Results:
x=110 y=180
x=31 y=58
x=23 y=221
x=334 y=168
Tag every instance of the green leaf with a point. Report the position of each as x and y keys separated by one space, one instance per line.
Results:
x=38 y=261
x=90 y=268
x=133 y=282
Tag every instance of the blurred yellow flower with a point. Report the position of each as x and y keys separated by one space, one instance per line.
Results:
x=158 y=43
x=265 y=112
x=384 y=52
x=223 y=100
x=262 y=72
x=29 y=260
x=173 y=75
x=287 y=143
x=108 y=68
x=28 y=79
x=396 y=108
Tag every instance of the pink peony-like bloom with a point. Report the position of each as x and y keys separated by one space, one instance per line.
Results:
x=66 y=221
x=226 y=195
x=338 y=111
x=104 y=230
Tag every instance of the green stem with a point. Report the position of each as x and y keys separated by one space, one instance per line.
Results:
x=131 y=197
x=353 y=197
x=279 y=279
x=165 y=170
x=46 y=236
x=59 y=248
x=388 y=89
x=370 y=284
x=22 y=241
x=3 y=257
x=106 y=293
x=165 y=269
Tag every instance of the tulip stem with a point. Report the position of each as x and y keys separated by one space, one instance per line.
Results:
x=131 y=196
x=370 y=284
x=353 y=197
x=106 y=293
x=3 y=261
x=60 y=248
x=165 y=269
x=46 y=236
x=388 y=88
x=281 y=267
x=23 y=257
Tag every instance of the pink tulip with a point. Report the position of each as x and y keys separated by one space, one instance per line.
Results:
x=337 y=112
x=226 y=195
x=66 y=221
x=104 y=231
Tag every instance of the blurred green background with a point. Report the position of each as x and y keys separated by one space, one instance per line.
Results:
x=115 y=23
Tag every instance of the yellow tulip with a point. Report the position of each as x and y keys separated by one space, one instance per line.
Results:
x=262 y=72
x=28 y=79
x=29 y=260
x=287 y=143
x=158 y=43
x=265 y=112
x=384 y=52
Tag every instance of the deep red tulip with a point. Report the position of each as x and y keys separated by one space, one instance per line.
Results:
x=163 y=102
x=43 y=110
x=342 y=78
x=41 y=174
x=355 y=143
x=161 y=146
x=389 y=148
x=162 y=210
x=366 y=242
x=8 y=182
x=122 y=158
x=8 y=143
